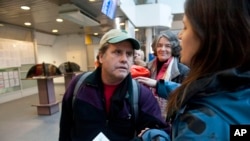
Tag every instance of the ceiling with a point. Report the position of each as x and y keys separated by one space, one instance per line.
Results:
x=43 y=15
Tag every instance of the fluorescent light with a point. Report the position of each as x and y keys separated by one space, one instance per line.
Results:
x=59 y=20
x=136 y=29
x=54 y=30
x=27 y=23
x=25 y=7
x=122 y=24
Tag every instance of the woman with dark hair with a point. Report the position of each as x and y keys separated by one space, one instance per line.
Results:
x=166 y=66
x=215 y=45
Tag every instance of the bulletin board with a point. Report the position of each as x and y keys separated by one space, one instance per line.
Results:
x=14 y=53
x=9 y=80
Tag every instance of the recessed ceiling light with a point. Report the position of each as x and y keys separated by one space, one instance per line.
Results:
x=54 y=30
x=27 y=23
x=136 y=29
x=91 y=0
x=59 y=20
x=95 y=33
x=25 y=7
x=122 y=23
x=1 y=24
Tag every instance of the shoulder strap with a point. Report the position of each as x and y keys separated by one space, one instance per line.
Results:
x=79 y=83
x=135 y=98
x=135 y=95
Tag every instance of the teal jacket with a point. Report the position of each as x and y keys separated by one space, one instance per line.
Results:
x=215 y=102
x=164 y=88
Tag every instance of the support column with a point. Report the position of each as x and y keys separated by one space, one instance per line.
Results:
x=129 y=27
x=149 y=36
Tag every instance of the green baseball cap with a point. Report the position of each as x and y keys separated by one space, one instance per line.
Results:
x=118 y=35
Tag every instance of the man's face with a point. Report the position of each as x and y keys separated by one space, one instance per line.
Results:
x=116 y=62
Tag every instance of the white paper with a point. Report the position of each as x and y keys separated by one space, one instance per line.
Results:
x=11 y=74
x=17 y=82
x=1 y=75
x=5 y=75
x=1 y=84
x=15 y=74
x=100 y=137
x=12 y=82
x=6 y=83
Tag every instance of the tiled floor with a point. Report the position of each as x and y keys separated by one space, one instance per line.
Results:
x=19 y=120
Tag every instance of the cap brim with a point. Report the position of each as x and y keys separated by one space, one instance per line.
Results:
x=135 y=43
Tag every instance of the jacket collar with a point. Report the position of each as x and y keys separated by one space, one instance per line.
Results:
x=94 y=78
x=173 y=68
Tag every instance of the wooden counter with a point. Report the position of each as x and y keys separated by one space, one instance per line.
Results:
x=48 y=104
x=68 y=77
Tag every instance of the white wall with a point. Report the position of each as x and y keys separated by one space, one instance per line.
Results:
x=177 y=6
x=21 y=34
x=147 y=15
x=54 y=50
x=92 y=51
x=177 y=25
x=65 y=48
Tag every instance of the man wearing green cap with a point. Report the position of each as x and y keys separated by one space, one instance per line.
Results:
x=102 y=107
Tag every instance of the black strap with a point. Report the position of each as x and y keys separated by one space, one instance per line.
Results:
x=79 y=83
x=134 y=98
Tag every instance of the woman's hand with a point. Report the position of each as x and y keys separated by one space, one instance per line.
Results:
x=146 y=81
x=142 y=131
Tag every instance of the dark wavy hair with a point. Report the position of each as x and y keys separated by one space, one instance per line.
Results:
x=173 y=39
x=223 y=28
